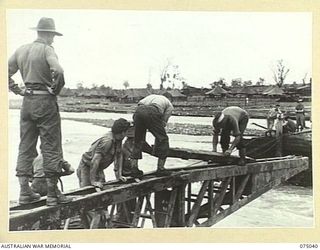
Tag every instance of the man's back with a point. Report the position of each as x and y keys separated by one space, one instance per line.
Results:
x=160 y=101
x=236 y=112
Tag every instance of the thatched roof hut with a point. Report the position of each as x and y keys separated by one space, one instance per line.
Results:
x=217 y=91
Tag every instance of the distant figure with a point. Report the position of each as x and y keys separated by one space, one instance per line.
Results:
x=300 y=118
x=43 y=78
x=289 y=126
x=235 y=120
x=272 y=116
x=101 y=154
x=152 y=113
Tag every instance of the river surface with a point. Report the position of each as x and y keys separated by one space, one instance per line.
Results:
x=284 y=206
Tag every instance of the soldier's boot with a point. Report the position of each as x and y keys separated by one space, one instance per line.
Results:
x=39 y=185
x=242 y=154
x=135 y=171
x=161 y=171
x=54 y=196
x=26 y=194
x=67 y=169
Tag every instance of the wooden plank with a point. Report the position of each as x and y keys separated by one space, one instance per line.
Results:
x=196 y=207
x=219 y=198
x=96 y=219
x=181 y=206
x=137 y=211
x=241 y=188
x=233 y=189
x=210 y=198
x=124 y=192
x=171 y=204
x=186 y=153
x=189 y=197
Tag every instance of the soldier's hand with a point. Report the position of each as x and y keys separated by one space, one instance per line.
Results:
x=123 y=179
x=22 y=92
x=97 y=184
x=227 y=152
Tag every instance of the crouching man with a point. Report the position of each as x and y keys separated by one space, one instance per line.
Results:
x=235 y=120
x=101 y=154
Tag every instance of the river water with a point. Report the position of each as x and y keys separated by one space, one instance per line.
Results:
x=284 y=206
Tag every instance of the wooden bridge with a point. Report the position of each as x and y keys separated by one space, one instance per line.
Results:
x=192 y=196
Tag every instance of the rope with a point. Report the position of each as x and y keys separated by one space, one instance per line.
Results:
x=61 y=184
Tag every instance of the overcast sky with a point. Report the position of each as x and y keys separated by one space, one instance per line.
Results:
x=109 y=47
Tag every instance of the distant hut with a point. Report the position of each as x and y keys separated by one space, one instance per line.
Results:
x=235 y=91
x=175 y=95
x=268 y=89
x=94 y=93
x=193 y=91
x=134 y=95
x=275 y=91
x=108 y=93
x=247 y=91
x=217 y=92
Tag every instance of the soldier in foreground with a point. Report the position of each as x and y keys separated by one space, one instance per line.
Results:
x=43 y=78
x=232 y=120
x=102 y=153
x=152 y=113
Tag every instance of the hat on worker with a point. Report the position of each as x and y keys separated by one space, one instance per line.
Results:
x=120 y=125
x=218 y=117
x=46 y=24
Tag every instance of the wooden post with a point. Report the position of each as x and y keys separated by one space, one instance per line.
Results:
x=171 y=204
x=210 y=198
x=181 y=220
x=137 y=211
x=196 y=207
x=189 y=197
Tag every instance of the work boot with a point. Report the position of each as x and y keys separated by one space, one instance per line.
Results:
x=67 y=169
x=242 y=154
x=39 y=185
x=161 y=171
x=54 y=196
x=26 y=194
x=135 y=171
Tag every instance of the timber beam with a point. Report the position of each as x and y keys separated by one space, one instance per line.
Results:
x=266 y=172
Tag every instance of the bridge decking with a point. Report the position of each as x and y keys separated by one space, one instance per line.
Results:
x=167 y=201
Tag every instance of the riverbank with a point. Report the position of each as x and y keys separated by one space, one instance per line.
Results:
x=199 y=109
x=172 y=128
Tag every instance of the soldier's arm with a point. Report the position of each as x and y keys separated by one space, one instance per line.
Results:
x=215 y=139
x=118 y=161
x=52 y=60
x=95 y=162
x=12 y=69
x=236 y=134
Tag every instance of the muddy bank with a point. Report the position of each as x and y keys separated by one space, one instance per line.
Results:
x=201 y=109
x=172 y=128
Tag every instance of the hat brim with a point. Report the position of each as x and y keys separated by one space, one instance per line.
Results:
x=47 y=30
